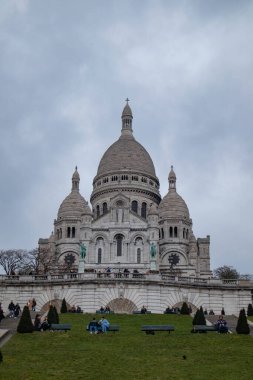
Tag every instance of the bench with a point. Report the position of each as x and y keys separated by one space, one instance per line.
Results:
x=113 y=328
x=60 y=327
x=139 y=312
x=203 y=328
x=104 y=312
x=150 y=329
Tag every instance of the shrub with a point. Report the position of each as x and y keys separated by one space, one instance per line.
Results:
x=222 y=311
x=242 y=324
x=51 y=316
x=56 y=315
x=64 y=306
x=250 y=310
x=201 y=320
x=25 y=323
x=185 y=309
x=195 y=317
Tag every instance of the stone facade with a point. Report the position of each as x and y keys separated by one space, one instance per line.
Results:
x=129 y=225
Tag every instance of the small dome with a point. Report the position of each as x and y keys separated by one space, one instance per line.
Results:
x=127 y=111
x=73 y=206
x=173 y=206
x=76 y=175
x=172 y=174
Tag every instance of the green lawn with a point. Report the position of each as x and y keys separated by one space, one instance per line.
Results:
x=129 y=354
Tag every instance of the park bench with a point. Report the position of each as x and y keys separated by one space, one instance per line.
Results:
x=60 y=327
x=139 y=312
x=203 y=328
x=150 y=329
x=113 y=328
x=104 y=312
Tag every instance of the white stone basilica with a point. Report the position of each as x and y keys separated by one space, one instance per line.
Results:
x=129 y=226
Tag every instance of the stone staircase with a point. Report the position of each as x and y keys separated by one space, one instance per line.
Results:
x=231 y=322
x=8 y=327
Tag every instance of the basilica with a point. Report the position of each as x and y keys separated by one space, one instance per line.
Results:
x=128 y=227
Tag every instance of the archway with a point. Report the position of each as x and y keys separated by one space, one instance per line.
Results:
x=122 y=305
x=179 y=305
x=56 y=302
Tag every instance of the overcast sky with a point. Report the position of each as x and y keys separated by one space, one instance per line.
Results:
x=66 y=68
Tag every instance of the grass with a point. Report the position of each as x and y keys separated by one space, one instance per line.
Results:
x=129 y=354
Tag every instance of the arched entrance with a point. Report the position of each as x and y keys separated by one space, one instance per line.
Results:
x=179 y=305
x=122 y=305
x=56 y=302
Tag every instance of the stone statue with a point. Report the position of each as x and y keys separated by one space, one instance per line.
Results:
x=82 y=251
x=153 y=250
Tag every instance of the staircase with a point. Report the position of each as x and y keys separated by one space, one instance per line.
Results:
x=231 y=322
x=8 y=327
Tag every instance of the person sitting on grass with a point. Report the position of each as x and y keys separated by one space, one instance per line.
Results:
x=221 y=325
x=93 y=326
x=104 y=324
x=37 y=323
x=45 y=325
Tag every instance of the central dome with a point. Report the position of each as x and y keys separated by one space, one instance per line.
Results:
x=126 y=154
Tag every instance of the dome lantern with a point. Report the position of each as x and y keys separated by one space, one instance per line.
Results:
x=172 y=180
x=75 y=180
x=127 y=118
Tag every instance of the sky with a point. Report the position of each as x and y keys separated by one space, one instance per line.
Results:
x=66 y=68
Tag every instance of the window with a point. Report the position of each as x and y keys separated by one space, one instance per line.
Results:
x=114 y=178
x=99 y=255
x=135 y=178
x=162 y=232
x=119 y=244
x=171 y=232
x=124 y=177
x=138 y=255
x=98 y=211
x=144 y=210
x=60 y=233
x=73 y=232
x=104 y=208
x=134 y=206
x=175 y=232
x=184 y=233
x=68 y=232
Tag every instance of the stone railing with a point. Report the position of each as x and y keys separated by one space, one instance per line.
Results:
x=87 y=276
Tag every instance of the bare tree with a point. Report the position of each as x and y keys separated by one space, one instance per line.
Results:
x=12 y=260
x=226 y=272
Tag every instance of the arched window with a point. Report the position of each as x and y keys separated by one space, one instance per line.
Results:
x=134 y=206
x=119 y=244
x=187 y=234
x=183 y=233
x=98 y=211
x=171 y=232
x=68 y=232
x=138 y=255
x=144 y=210
x=162 y=232
x=104 y=208
x=73 y=232
x=175 y=232
x=99 y=255
x=60 y=233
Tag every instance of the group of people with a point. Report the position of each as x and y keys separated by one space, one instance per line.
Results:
x=105 y=310
x=32 y=304
x=74 y=309
x=14 y=310
x=40 y=325
x=96 y=327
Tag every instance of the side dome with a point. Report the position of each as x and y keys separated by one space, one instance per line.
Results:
x=74 y=205
x=173 y=205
